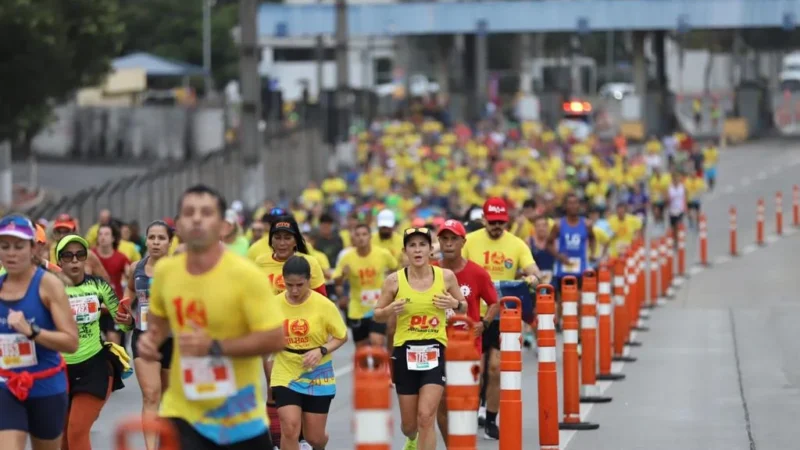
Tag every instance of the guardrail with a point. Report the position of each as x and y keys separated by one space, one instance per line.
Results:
x=291 y=160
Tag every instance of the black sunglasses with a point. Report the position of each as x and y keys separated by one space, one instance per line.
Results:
x=69 y=256
x=499 y=223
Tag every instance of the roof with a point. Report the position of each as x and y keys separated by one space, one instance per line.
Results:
x=156 y=65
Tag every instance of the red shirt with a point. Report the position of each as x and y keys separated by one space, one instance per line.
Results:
x=476 y=284
x=115 y=266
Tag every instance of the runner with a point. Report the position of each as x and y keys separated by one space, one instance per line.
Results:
x=386 y=237
x=153 y=376
x=418 y=296
x=364 y=268
x=303 y=379
x=572 y=242
x=710 y=159
x=475 y=284
x=503 y=255
x=624 y=229
x=222 y=329
x=658 y=187
x=677 y=203
x=695 y=186
x=34 y=314
x=64 y=225
x=116 y=265
x=544 y=260
x=93 y=370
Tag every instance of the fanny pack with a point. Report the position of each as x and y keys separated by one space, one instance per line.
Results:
x=21 y=383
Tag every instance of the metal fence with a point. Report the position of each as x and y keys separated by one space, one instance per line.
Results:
x=291 y=160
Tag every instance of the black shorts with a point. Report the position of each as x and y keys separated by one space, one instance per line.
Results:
x=675 y=220
x=361 y=328
x=41 y=417
x=190 y=439
x=107 y=323
x=165 y=349
x=409 y=382
x=694 y=205
x=659 y=205
x=316 y=404
x=491 y=336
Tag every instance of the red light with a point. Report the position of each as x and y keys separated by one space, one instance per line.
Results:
x=577 y=107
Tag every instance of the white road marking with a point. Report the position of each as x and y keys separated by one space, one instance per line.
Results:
x=749 y=249
x=761 y=176
x=696 y=269
x=772 y=238
x=728 y=189
x=722 y=259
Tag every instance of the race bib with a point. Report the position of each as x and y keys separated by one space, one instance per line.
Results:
x=16 y=352
x=141 y=315
x=422 y=357
x=369 y=298
x=573 y=265
x=206 y=378
x=85 y=308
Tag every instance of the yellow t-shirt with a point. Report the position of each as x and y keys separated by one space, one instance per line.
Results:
x=129 y=250
x=695 y=186
x=91 y=234
x=274 y=271
x=601 y=238
x=366 y=275
x=421 y=319
x=322 y=259
x=259 y=248
x=307 y=326
x=394 y=245
x=623 y=232
x=710 y=157
x=222 y=399
x=173 y=245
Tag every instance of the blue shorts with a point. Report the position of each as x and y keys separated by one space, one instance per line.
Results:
x=521 y=290
x=41 y=417
x=711 y=173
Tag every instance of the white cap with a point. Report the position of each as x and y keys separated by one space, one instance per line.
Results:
x=386 y=219
x=476 y=214
x=305 y=228
x=237 y=206
x=231 y=217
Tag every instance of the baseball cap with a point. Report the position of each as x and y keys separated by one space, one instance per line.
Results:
x=422 y=231
x=495 y=210
x=476 y=214
x=232 y=217
x=62 y=244
x=17 y=226
x=454 y=227
x=41 y=234
x=282 y=225
x=65 y=221
x=386 y=219
x=169 y=221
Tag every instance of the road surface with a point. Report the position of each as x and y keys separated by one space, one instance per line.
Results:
x=684 y=390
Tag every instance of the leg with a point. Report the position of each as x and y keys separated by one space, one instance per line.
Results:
x=14 y=421
x=377 y=334
x=430 y=396
x=493 y=393
x=408 y=415
x=441 y=417
x=290 y=408
x=47 y=416
x=148 y=373
x=316 y=434
x=83 y=414
x=16 y=440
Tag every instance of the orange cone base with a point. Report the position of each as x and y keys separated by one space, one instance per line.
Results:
x=623 y=359
x=595 y=399
x=634 y=343
x=579 y=426
x=610 y=377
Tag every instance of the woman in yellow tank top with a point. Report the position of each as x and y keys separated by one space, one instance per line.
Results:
x=419 y=297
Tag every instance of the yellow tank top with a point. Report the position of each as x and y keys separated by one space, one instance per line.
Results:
x=421 y=319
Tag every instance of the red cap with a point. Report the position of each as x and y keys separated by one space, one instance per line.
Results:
x=65 y=221
x=418 y=222
x=495 y=210
x=169 y=221
x=454 y=227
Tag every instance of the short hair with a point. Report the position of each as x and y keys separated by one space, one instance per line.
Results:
x=200 y=189
x=362 y=225
x=115 y=233
x=326 y=218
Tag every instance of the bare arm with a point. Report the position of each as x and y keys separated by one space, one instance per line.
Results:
x=592 y=239
x=130 y=287
x=65 y=337
x=453 y=288
x=551 y=240
x=492 y=312
x=157 y=328
x=257 y=343
x=96 y=267
x=388 y=291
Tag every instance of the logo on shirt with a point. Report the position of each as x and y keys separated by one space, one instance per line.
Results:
x=466 y=290
x=423 y=324
x=573 y=241
x=296 y=331
x=508 y=263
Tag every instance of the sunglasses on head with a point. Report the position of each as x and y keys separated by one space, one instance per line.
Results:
x=81 y=255
x=423 y=230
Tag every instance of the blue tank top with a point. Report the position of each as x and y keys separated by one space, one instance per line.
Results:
x=31 y=305
x=572 y=242
x=544 y=259
x=141 y=285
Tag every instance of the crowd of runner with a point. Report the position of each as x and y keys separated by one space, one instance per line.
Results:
x=436 y=222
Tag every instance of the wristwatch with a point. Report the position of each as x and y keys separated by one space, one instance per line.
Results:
x=485 y=324
x=323 y=350
x=35 y=331
x=215 y=349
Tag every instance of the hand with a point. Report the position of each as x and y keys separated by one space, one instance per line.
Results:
x=195 y=342
x=445 y=301
x=478 y=329
x=147 y=348
x=123 y=315
x=312 y=358
x=343 y=302
x=18 y=322
x=397 y=306
x=532 y=280
x=563 y=259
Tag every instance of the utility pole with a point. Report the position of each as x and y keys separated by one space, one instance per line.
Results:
x=250 y=138
x=209 y=82
x=6 y=182
x=342 y=70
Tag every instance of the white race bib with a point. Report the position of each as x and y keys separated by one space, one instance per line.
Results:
x=369 y=298
x=141 y=315
x=573 y=265
x=422 y=357
x=16 y=351
x=85 y=308
x=206 y=378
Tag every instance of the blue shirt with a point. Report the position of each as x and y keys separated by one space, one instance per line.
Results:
x=572 y=242
x=31 y=305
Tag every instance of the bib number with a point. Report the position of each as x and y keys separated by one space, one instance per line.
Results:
x=422 y=357
x=141 y=316
x=86 y=308
x=573 y=265
x=370 y=298
x=206 y=378
x=16 y=352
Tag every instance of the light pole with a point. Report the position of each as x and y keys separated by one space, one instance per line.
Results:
x=209 y=82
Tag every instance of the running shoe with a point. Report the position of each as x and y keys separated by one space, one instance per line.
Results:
x=491 y=431
x=410 y=444
x=305 y=446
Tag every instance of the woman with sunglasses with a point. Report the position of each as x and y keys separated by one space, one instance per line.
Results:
x=93 y=370
x=418 y=297
x=65 y=225
x=153 y=376
x=37 y=324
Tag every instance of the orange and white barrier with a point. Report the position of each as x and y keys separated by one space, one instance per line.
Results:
x=670 y=264
x=604 y=326
x=590 y=391
x=621 y=323
x=681 y=255
x=571 y=367
x=636 y=316
x=655 y=296
x=663 y=278
x=733 y=237
x=796 y=205
x=779 y=213
x=372 y=399
x=463 y=385
x=138 y=425
x=702 y=228
x=548 y=374
x=511 y=374
x=760 y=222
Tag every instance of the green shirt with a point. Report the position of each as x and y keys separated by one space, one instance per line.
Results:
x=85 y=300
x=239 y=246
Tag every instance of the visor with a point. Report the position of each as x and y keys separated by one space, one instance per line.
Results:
x=18 y=227
x=62 y=244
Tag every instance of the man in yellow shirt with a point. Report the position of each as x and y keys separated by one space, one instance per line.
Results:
x=386 y=237
x=695 y=187
x=102 y=219
x=624 y=229
x=222 y=331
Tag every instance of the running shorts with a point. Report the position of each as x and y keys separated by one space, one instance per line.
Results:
x=41 y=417
x=361 y=328
x=315 y=404
x=409 y=382
x=190 y=439
x=165 y=349
x=695 y=205
x=491 y=336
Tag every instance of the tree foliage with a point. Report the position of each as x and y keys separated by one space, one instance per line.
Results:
x=49 y=49
x=174 y=29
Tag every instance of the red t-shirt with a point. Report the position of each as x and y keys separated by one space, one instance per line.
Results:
x=476 y=284
x=115 y=266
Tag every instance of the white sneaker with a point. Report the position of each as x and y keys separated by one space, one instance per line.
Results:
x=305 y=446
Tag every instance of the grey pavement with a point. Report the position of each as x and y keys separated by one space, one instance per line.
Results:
x=683 y=391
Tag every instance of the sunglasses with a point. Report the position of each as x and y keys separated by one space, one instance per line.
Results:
x=423 y=230
x=69 y=256
x=498 y=223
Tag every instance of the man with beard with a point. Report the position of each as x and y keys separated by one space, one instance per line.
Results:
x=386 y=236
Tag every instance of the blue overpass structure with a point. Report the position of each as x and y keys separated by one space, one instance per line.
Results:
x=528 y=16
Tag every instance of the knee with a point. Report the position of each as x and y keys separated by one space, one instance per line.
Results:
x=151 y=396
x=408 y=428
x=317 y=438
x=290 y=427
x=494 y=368
x=426 y=419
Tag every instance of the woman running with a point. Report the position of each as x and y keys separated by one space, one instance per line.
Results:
x=117 y=265
x=36 y=324
x=303 y=382
x=418 y=296
x=93 y=370
x=153 y=376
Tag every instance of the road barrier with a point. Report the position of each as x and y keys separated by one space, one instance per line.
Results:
x=732 y=214
x=372 y=399
x=703 y=237
x=760 y=222
x=604 y=326
x=547 y=376
x=463 y=391
x=681 y=255
x=621 y=322
x=138 y=425
x=590 y=391
x=779 y=213
x=796 y=205
x=511 y=374
x=654 y=270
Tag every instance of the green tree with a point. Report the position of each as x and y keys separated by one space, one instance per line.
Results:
x=174 y=29
x=49 y=49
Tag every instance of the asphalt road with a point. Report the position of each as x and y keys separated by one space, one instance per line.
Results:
x=683 y=392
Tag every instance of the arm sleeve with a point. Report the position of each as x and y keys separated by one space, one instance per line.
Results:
x=391 y=261
x=260 y=309
x=338 y=271
x=157 y=301
x=109 y=298
x=336 y=325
